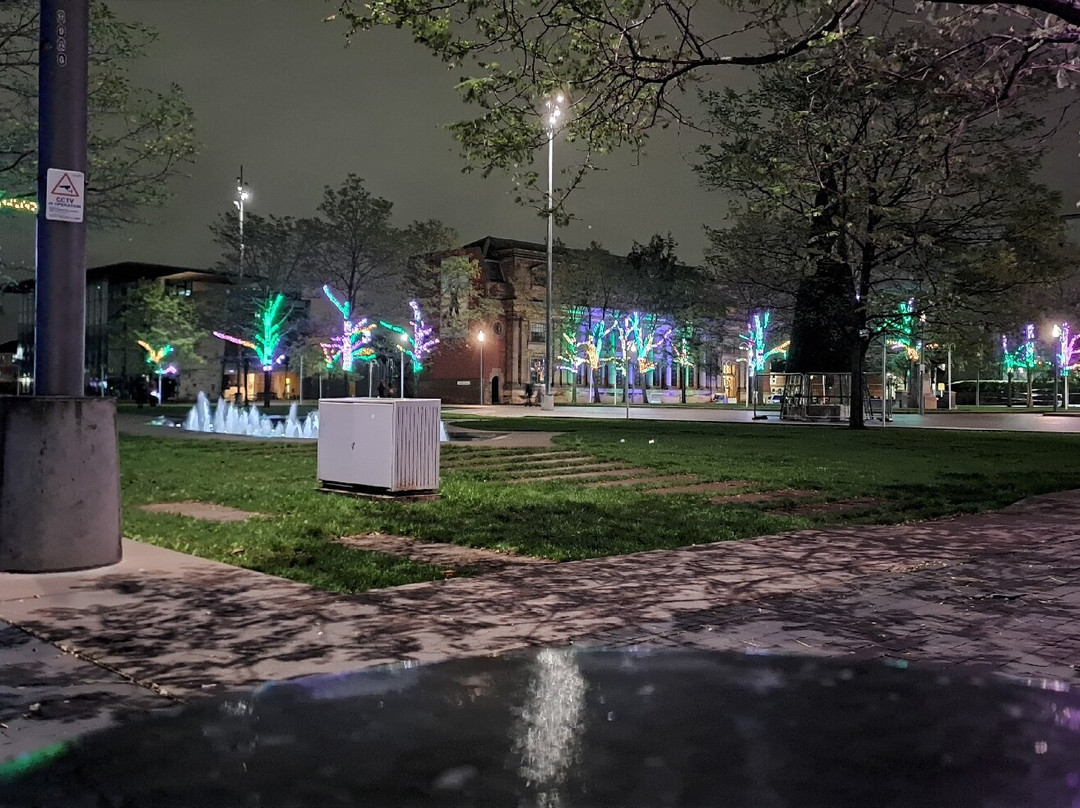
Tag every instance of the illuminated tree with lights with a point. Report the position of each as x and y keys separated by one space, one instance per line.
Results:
x=417 y=345
x=1066 y=354
x=269 y=332
x=569 y=356
x=423 y=343
x=593 y=349
x=20 y=205
x=157 y=359
x=646 y=336
x=1028 y=359
x=680 y=340
x=152 y=312
x=353 y=343
x=622 y=345
x=1024 y=356
x=757 y=354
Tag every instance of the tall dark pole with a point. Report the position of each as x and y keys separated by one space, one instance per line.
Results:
x=242 y=196
x=549 y=360
x=554 y=113
x=59 y=465
x=60 y=339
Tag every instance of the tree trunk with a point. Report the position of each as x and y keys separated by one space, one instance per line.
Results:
x=266 y=387
x=858 y=357
x=683 y=372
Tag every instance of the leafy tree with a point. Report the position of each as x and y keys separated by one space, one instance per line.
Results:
x=279 y=251
x=869 y=173
x=358 y=247
x=138 y=139
x=628 y=63
x=153 y=313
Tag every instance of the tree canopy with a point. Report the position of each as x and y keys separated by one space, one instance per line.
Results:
x=139 y=138
x=873 y=172
x=627 y=64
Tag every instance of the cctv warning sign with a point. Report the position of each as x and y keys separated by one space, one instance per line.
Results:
x=64 y=195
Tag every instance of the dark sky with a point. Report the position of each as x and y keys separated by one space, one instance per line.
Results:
x=274 y=88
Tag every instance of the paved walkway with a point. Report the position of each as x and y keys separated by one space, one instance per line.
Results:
x=998 y=591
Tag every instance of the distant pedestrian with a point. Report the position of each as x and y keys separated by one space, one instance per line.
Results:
x=382 y=390
x=141 y=393
x=528 y=394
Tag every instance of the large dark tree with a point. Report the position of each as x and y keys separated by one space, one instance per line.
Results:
x=876 y=171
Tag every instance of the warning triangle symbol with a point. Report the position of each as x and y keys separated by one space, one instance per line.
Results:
x=65 y=187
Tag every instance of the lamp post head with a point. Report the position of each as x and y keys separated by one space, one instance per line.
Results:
x=555 y=109
x=1057 y=330
x=480 y=336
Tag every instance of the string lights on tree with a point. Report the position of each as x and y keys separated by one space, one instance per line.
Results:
x=757 y=354
x=1066 y=355
x=423 y=343
x=270 y=319
x=17 y=204
x=271 y=329
x=156 y=358
x=1025 y=356
x=354 y=341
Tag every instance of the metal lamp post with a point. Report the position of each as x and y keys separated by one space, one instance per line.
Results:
x=626 y=380
x=401 y=348
x=480 y=339
x=242 y=196
x=554 y=108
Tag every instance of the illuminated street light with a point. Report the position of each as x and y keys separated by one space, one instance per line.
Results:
x=480 y=339
x=242 y=196
x=554 y=111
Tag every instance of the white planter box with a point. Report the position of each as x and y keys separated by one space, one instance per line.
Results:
x=380 y=444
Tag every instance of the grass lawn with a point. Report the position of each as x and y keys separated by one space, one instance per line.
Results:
x=908 y=474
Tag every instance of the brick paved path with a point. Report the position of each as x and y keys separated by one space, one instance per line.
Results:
x=998 y=591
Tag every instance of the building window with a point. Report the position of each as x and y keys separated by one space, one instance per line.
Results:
x=180 y=288
x=537 y=332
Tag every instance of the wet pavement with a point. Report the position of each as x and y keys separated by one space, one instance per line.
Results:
x=994 y=591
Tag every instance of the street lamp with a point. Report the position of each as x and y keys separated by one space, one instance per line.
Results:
x=480 y=338
x=554 y=108
x=401 y=348
x=242 y=196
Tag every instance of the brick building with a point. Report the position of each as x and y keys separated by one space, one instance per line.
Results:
x=511 y=291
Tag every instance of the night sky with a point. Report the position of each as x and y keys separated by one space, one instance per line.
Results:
x=274 y=88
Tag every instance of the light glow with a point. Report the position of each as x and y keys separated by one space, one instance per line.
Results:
x=1066 y=355
x=21 y=205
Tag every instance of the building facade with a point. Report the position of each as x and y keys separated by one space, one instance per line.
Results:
x=119 y=369
x=509 y=297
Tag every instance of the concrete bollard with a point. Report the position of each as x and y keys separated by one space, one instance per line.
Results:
x=59 y=484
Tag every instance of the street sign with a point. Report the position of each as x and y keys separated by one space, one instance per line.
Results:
x=64 y=195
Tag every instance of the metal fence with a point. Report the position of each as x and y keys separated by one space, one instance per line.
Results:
x=816 y=397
